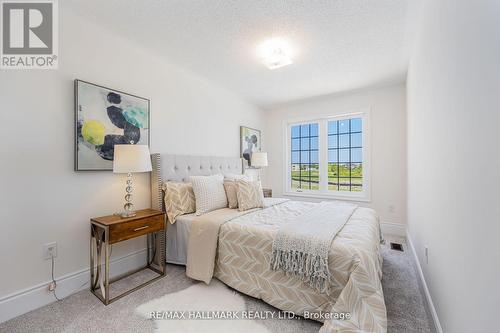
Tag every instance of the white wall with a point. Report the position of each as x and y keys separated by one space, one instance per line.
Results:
x=42 y=198
x=453 y=160
x=388 y=142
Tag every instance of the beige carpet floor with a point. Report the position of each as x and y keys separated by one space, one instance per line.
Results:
x=82 y=312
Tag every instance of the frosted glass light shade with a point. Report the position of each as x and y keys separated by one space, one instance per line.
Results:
x=131 y=158
x=259 y=159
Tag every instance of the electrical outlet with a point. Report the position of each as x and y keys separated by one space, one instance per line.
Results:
x=52 y=286
x=50 y=250
x=391 y=209
x=426 y=254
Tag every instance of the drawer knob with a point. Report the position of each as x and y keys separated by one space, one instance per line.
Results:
x=141 y=228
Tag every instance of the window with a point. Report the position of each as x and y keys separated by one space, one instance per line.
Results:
x=328 y=157
x=305 y=157
x=345 y=155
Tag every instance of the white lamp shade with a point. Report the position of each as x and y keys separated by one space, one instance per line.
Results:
x=131 y=158
x=259 y=159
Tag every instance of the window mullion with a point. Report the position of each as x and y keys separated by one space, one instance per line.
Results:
x=323 y=155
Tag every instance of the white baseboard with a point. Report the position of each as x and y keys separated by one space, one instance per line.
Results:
x=437 y=324
x=37 y=296
x=395 y=229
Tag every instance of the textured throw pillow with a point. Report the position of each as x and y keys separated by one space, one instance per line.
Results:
x=249 y=195
x=209 y=193
x=231 y=188
x=179 y=199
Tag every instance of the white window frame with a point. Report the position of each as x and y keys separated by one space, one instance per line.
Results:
x=323 y=191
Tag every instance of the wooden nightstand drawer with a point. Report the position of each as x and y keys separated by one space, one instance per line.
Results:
x=126 y=230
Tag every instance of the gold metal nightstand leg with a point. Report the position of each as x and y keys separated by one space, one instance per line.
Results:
x=106 y=267
x=148 y=249
x=99 y=279
x=99 y=266
x=96 y=252
x=92 y=278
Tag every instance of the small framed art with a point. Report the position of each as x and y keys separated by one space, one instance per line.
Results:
x=250 y=142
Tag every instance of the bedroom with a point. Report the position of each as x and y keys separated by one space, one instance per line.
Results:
x=357 y=114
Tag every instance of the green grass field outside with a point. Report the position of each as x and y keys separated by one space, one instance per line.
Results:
x=308 y=178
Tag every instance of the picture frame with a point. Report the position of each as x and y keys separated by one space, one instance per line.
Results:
x=105 y=117
x=250 y=142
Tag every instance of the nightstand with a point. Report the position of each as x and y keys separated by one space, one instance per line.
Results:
x=268 y=193
x=108 y=230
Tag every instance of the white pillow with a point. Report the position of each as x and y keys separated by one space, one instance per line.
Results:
x=209 y=193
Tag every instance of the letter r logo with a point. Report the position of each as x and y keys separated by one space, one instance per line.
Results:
x=27 y=28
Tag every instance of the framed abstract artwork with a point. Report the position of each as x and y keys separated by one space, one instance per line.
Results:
x=105 y=117
x=250 y=142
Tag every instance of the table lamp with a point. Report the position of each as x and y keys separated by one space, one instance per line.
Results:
x=258 y=161
x=130 y=159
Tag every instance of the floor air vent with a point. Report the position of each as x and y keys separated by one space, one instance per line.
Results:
x=397 y=247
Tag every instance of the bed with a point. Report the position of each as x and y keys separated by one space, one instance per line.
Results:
x=244 y=249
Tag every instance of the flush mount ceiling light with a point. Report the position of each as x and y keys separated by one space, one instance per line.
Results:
x=275 y=53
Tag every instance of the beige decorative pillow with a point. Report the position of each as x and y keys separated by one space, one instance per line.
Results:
x=232 y=197
x=179 y=199
x=231 y=188
x=249 y=194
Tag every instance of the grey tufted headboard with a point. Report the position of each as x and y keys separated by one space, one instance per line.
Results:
x=181 y=167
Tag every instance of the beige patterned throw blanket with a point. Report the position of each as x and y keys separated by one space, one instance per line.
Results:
x=202 y=243
x=302 y=245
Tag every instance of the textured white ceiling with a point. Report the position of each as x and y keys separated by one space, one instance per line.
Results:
x=341 y=44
